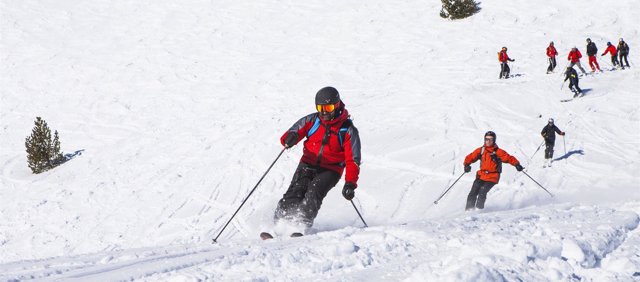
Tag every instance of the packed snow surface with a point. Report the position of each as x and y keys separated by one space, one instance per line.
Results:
x=171 y=112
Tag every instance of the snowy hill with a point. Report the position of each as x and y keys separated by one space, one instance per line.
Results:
x=175 y=111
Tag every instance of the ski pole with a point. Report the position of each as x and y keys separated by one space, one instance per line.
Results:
x=565 y=147
x=357 y=211
x=525 y=173
x=445 y=192
x=562 y=84
x=534 y=153
x=247 y=198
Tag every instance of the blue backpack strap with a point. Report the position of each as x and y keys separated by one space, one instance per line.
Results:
x=314 y=128
x=343 y=130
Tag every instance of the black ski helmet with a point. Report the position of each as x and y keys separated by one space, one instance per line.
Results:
x=492 y=134
x=327 y=95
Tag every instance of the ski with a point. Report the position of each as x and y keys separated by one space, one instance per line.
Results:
x=265 y=236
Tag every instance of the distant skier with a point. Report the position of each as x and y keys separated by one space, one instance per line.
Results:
x=491 y=158
x=504 y=67
x=332 y=146
x=574 y=58
x=551 y=53
x=623 y=51
x=611 y=50
x=549 y=134
x=592 y=52
x=572 y=75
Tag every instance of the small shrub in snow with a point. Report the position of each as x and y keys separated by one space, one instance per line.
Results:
x=458 y=9
x=43 y=153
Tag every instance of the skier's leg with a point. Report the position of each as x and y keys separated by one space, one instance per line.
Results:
x=502 y=69
x=288 y=207
x=507 y=70
x=626 y=59
x=595 y=61
x=591 y=61
x=317 y=190
x=550 y=149
x=550 y=67
x=580 y=67
x=575 y=84
x=473 y=194
x=482 y=194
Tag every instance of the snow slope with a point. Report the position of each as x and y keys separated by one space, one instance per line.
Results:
x=173 y=112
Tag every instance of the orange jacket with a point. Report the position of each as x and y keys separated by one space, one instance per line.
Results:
x=488 y=168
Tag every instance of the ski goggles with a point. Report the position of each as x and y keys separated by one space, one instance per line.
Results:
x=327 y=108
x=489 y=139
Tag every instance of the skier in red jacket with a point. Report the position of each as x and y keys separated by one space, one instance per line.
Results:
x=504 y=67
x=574 y=58
x=491 y=158
x=612 y=50
x=551 y=53
x=332 y=146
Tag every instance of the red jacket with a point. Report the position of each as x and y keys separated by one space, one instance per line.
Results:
x=551 y=51
x=332 y=155
x=611 y=49
x=503 y=57
x=574 y=56
x=488 y=168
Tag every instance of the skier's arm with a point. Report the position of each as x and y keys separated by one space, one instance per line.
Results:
x=473 y=157
x=505 y=157
x=558 y=130
x=301 y=127
x=352 y=156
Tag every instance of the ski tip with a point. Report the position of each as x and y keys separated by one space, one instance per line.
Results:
x=435 y=202
x=265 y=236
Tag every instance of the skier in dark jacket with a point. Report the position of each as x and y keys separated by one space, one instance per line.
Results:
x=592 y=51
x=572 y=75
x=623 y=52
x=332 y=146
x=549 y=134
x=491 y=158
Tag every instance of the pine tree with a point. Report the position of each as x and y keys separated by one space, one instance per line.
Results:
x=43 y=153
x=458 y=9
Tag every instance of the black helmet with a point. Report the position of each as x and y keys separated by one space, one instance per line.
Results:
x=327 y=95
x=490 y=133
x=588 y=39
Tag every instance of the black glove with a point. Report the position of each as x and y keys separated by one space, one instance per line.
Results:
x=348 y=192
x=291 y=139
x=519 y=167
x=467 y=168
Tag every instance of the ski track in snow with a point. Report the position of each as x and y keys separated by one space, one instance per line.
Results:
x=483 y=246
x=177 y=111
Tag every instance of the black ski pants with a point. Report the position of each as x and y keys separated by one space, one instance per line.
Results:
x=504 y=70
x=478 y=194
x=303 y=199
x=624 y=56
x=614 y=60
x=552 y=64
x=548 y=152
x=573 y=82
